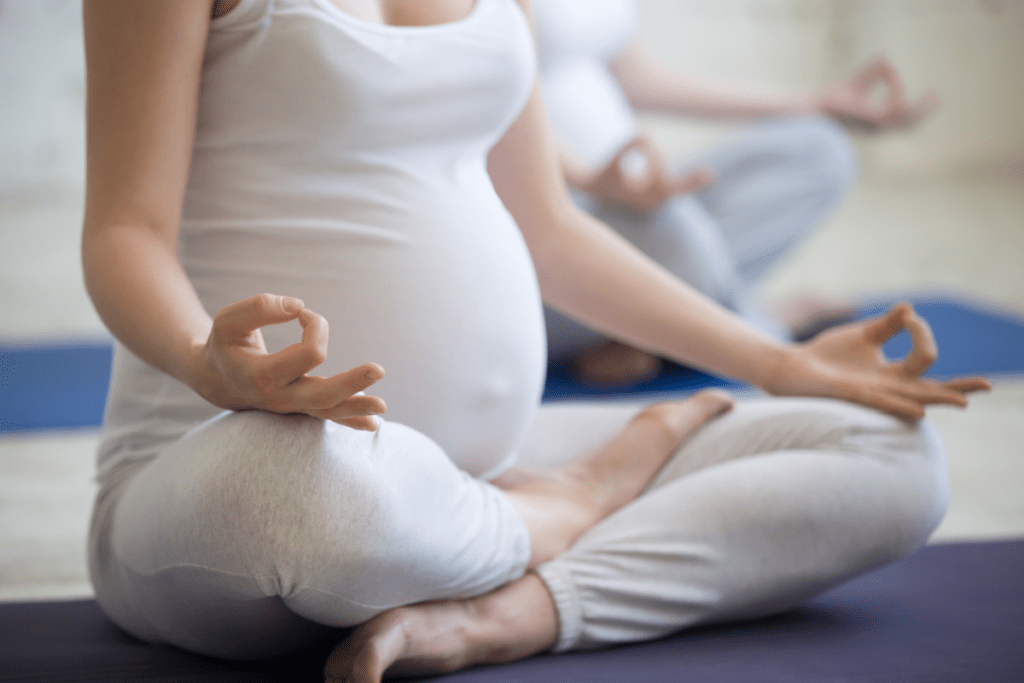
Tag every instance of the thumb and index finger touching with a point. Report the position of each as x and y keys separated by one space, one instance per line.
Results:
x=923 y=352
x=641 y=163
x=244 y=317
x=285 y=371
x=924 y=349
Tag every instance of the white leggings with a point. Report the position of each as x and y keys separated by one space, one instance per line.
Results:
x=253 y=529
x=773 y=185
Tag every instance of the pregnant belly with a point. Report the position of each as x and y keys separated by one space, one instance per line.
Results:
x=451 y=311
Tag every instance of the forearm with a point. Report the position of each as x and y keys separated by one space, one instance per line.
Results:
x=144 y=297
x=651 y=85
x=592 y=274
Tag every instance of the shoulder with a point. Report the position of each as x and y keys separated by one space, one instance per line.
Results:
x=525 y=6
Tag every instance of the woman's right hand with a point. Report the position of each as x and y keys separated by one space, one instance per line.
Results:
x=637 y=178
x=234 y=370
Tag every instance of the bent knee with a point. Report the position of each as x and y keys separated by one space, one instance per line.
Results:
x=832 y=154
x=929 y=481
x=916 y=479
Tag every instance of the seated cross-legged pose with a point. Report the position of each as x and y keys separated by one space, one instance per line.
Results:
x=385 y=164
x=719 y=221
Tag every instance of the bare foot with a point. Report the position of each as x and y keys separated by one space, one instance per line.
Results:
x=518 y=619
x=559 y=505
x=615 y=364
x=510 y=623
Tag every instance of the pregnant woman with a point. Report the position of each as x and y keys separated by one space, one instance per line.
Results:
x=720 y=221
x=384 y=165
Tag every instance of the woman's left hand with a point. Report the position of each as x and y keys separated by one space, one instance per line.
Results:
x=847 y=362
x=852 y=99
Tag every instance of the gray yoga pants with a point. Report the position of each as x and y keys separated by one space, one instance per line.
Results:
x=774 y=184
x=245 y=536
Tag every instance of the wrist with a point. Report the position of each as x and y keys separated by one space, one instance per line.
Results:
x=813 y=103
x=770 y=369
x=193 y=369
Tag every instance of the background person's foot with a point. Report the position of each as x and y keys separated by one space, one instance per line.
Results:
x=614 y=364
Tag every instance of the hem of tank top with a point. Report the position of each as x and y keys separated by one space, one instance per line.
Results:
x=335 y=11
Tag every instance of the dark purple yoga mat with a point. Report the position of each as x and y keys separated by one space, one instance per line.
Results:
x=947 y=614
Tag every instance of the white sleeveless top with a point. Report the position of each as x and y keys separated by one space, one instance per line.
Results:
x=577 y=41
x=344 y=162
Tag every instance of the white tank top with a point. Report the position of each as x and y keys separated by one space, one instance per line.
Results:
x=577 y=41
x=344 y=162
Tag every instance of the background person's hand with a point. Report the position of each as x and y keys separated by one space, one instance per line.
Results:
x=847 y=362
x=637 y=178
x=237 y=373
x=855 y=99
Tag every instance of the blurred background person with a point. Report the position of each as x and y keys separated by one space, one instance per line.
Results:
x=719 y=221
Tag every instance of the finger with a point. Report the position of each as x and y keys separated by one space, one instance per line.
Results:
x=871 y=72
x=322 y=393
x=927 y=392
x=966 y=385
x=892 y=403
x=359 y=405
x=923 y=352
x=296 y=360
x=694 y=181
x=877 y=331
x=657 y=161
x=635 y=171
x=366 y=424
x=243 y=317
x=897 y=95
x=643 y=166
x=638 y=147
x=929 y=103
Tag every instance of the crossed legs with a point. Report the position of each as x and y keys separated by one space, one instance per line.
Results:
x=252 y=531
x=763 y=508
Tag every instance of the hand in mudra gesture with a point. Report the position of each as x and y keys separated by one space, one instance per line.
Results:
x=847 y=362
x=852 y=99
x=638 y=178
x=238 y=373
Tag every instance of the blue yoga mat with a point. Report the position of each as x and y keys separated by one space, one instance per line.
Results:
x=59 y=386
x=64 y=386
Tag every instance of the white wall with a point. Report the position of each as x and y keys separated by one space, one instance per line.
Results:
x=970 y=51
x=42 y=95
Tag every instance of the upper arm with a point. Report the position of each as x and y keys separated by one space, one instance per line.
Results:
x=143 y=61
x=527 y=175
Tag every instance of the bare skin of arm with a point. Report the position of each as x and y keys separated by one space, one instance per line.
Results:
x=143 y=67
x=653 y=86
x=592 y=274
x=143 y=64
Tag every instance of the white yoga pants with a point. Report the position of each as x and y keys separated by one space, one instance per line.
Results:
x=774 y=184
x=253 y=529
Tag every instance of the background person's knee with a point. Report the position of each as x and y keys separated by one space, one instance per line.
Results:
x=832 y=156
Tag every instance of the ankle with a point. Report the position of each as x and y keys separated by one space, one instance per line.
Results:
x=516 y=621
